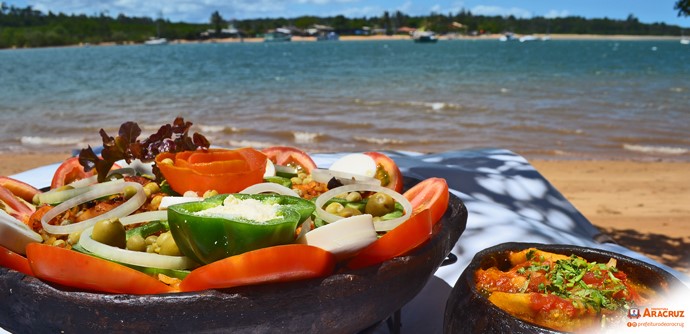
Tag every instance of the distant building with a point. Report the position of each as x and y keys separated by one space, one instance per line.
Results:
x=229 y=32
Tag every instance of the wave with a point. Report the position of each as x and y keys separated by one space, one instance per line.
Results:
x=51 y=141
x=250 y=143
x=431 y=106
x=545 y=129
x=211 y=128
x=379 y=141
x=655 y=149
x=306 y=137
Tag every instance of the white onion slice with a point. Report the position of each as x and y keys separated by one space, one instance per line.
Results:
x=94 y=178
x=167 y=201
x=142 y=259
x=15 y=235
x=269 y=187
x=56 y=196
x=381 y=226
x=143 y=217
x=104 y=189
x=84 y=182
x=324 y=175
x=344 y=238
x=79 y=187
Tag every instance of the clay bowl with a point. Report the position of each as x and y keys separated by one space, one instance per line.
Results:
x=467 y=311
x=346 y=302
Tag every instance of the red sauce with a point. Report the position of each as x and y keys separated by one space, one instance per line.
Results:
x=548 y=303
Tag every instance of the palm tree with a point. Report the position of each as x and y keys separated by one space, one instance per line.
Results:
x=217 y=22
x=683 y=7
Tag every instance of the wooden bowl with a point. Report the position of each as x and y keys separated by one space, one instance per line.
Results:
x=346 y=302
x=467 y=311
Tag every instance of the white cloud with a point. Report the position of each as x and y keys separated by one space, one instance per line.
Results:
x=367 y=11
x=323 y=2
x=405 y=7
x=200 y=11
x=554 y=13
x=501 y=11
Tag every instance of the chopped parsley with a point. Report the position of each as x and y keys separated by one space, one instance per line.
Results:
x=565 y=279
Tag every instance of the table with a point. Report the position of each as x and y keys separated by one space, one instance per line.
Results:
x=508 y=201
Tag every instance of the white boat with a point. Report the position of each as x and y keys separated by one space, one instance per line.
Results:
x=685 y=41
x=527 y=38
x=278 y=35
x=156 y=41
x=424 y=36
x=509 y=36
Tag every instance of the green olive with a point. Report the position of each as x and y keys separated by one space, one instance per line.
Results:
x=379 y=204
x=348 y=212
x=169 y=247
x=353 y=197
x=136 y=243
x=334 y=208
x=151 y=239
x=129 y=191
x=110 y=232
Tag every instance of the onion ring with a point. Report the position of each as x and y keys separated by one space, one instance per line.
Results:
x=105 y=189
x=147 y=216
x=142 y=259
x=381 y=226
x=56 y=196
x=268 y=187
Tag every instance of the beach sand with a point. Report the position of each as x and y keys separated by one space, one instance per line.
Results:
x=398 y=37
x=641 y=205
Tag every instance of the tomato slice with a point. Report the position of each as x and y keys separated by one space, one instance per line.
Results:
x=20 y=189
x=69 y=171
x=77 y=270
x=14 y=206
x=431 y=194
x=396 y=242
x=290 y=156
x=266 y=265
x=12 y=260
x=387 y=169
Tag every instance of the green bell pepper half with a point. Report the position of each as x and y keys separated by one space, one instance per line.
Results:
x=207 y=238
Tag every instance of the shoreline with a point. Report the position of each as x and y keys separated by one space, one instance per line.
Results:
x=355 y=38
x=488 y=37
x=640 y=204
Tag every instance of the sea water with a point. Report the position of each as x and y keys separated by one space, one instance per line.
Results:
x=543 y=99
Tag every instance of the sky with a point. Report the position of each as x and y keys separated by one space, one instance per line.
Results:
x=199 y=11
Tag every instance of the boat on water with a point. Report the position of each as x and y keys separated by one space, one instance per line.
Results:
x=527 y=38
x=330 y=36
x=424 y=36
x=685 y=41
x=278 y=35
x=509 y=36
x=156 y=41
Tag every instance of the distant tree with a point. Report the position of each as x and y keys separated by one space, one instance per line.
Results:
x=387 y=23
x=683 y=7
x=217 y=22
